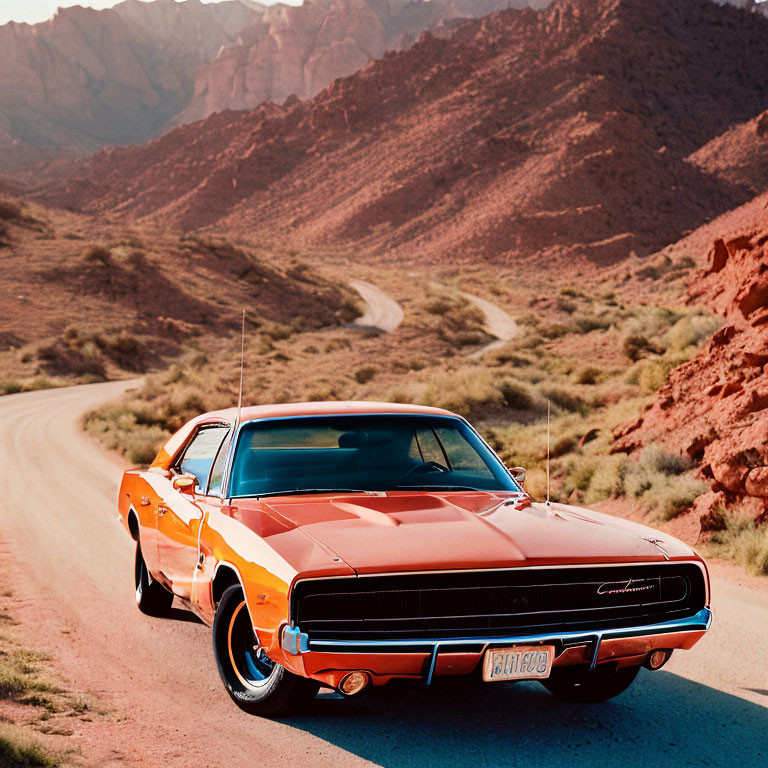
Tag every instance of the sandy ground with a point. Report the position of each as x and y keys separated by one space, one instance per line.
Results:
x=497 y=323
x=381 y=310
x=70 y=563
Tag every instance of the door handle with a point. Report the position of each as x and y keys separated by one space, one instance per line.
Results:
x=161 y=510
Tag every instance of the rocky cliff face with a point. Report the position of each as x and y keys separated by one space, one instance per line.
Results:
x=88 y=78
x=553 y=134
x=300 y=50
x=715 y=408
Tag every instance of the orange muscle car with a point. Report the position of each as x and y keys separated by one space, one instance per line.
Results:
x=351 y=544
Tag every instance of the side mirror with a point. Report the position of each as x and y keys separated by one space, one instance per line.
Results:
x=185 y=484
x=519 y=473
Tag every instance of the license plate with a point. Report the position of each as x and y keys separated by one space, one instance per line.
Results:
x=521 y=662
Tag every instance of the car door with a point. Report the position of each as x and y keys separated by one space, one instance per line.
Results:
x=179 y=513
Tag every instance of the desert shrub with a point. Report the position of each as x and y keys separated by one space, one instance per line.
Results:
x=562 y=446
x=18 y=748
x=582 y=475
x=564 y=305
x=337 y=344
x=674 y=495
x=589 y=323
x=438 y=306
x=63 y=360
x=515 y=395
x=588 y=375
x=142 y=446
x=660 y=481
x=690 y=331
x=98 y=254
x=636 y=346
x=555 y=331
x=10 y=387
x=365 y=374
x=607 y=480
x=743 y=541
x=10 y=211
x=565 y=400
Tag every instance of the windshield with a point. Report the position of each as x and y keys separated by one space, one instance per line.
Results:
x=363 y=453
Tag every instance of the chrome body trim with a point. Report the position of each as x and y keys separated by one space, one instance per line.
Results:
x=699 y=622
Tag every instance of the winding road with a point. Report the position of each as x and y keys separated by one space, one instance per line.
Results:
x=70 y=562
x=498 y=323
x=381 y=310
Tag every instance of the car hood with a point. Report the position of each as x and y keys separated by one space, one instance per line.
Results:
x=407 y=531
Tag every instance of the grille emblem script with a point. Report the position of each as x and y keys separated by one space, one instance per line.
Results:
x=623 y=587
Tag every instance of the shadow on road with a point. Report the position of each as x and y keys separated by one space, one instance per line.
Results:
x=663 y=720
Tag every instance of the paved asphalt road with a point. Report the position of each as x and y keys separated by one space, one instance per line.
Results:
x=73 y=563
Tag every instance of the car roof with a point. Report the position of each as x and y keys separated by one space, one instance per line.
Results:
x=331 y=408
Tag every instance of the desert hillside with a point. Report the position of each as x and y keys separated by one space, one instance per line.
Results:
x=85 y=301
x=571 y=131
x=87 y=78
x=714 y=409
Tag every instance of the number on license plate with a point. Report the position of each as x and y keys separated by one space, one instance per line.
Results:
x=522 y=662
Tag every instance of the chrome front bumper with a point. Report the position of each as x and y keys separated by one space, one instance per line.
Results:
x=296 y=643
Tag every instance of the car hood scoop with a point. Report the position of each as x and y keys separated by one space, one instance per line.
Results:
x=426 y=531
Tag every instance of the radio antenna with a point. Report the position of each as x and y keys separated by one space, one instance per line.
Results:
x=548 y=431
x=242 y=365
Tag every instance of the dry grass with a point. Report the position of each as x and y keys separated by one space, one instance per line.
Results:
x=743 y=541
x=19 y=749
x=32 y=698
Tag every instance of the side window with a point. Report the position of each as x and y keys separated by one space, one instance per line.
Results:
x=217 y=473
x=199 y=454
x=463 y=457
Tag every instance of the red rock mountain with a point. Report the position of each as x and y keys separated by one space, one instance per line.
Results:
x=549 y=133
x=87 y=79
x=300 y=50
x=715 y=407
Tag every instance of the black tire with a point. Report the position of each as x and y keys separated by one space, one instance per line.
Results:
x=151 y=596
x=579 y=684
x=256 y=684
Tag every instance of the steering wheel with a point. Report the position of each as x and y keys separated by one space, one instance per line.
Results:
x=428 y=466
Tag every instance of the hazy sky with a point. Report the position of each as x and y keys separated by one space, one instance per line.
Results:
x=33 y=11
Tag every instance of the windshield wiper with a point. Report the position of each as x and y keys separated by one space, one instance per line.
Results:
x=301 y=491
x=439 y=488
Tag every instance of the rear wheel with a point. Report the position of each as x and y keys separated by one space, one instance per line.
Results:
x=256 y=683
x=151 y=596
x=579 y=684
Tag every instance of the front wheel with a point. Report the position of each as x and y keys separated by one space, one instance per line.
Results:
x=256 y=683
x=151 y=596
x=579 y=684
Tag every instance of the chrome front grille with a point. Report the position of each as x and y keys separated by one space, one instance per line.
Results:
x=496 y=602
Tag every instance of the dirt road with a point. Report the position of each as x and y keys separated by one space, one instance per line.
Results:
x=381 y=310
x=72 y=564
x=497 y=323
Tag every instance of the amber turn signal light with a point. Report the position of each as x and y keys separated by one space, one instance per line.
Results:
x=657 y=659
x=353 y=683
